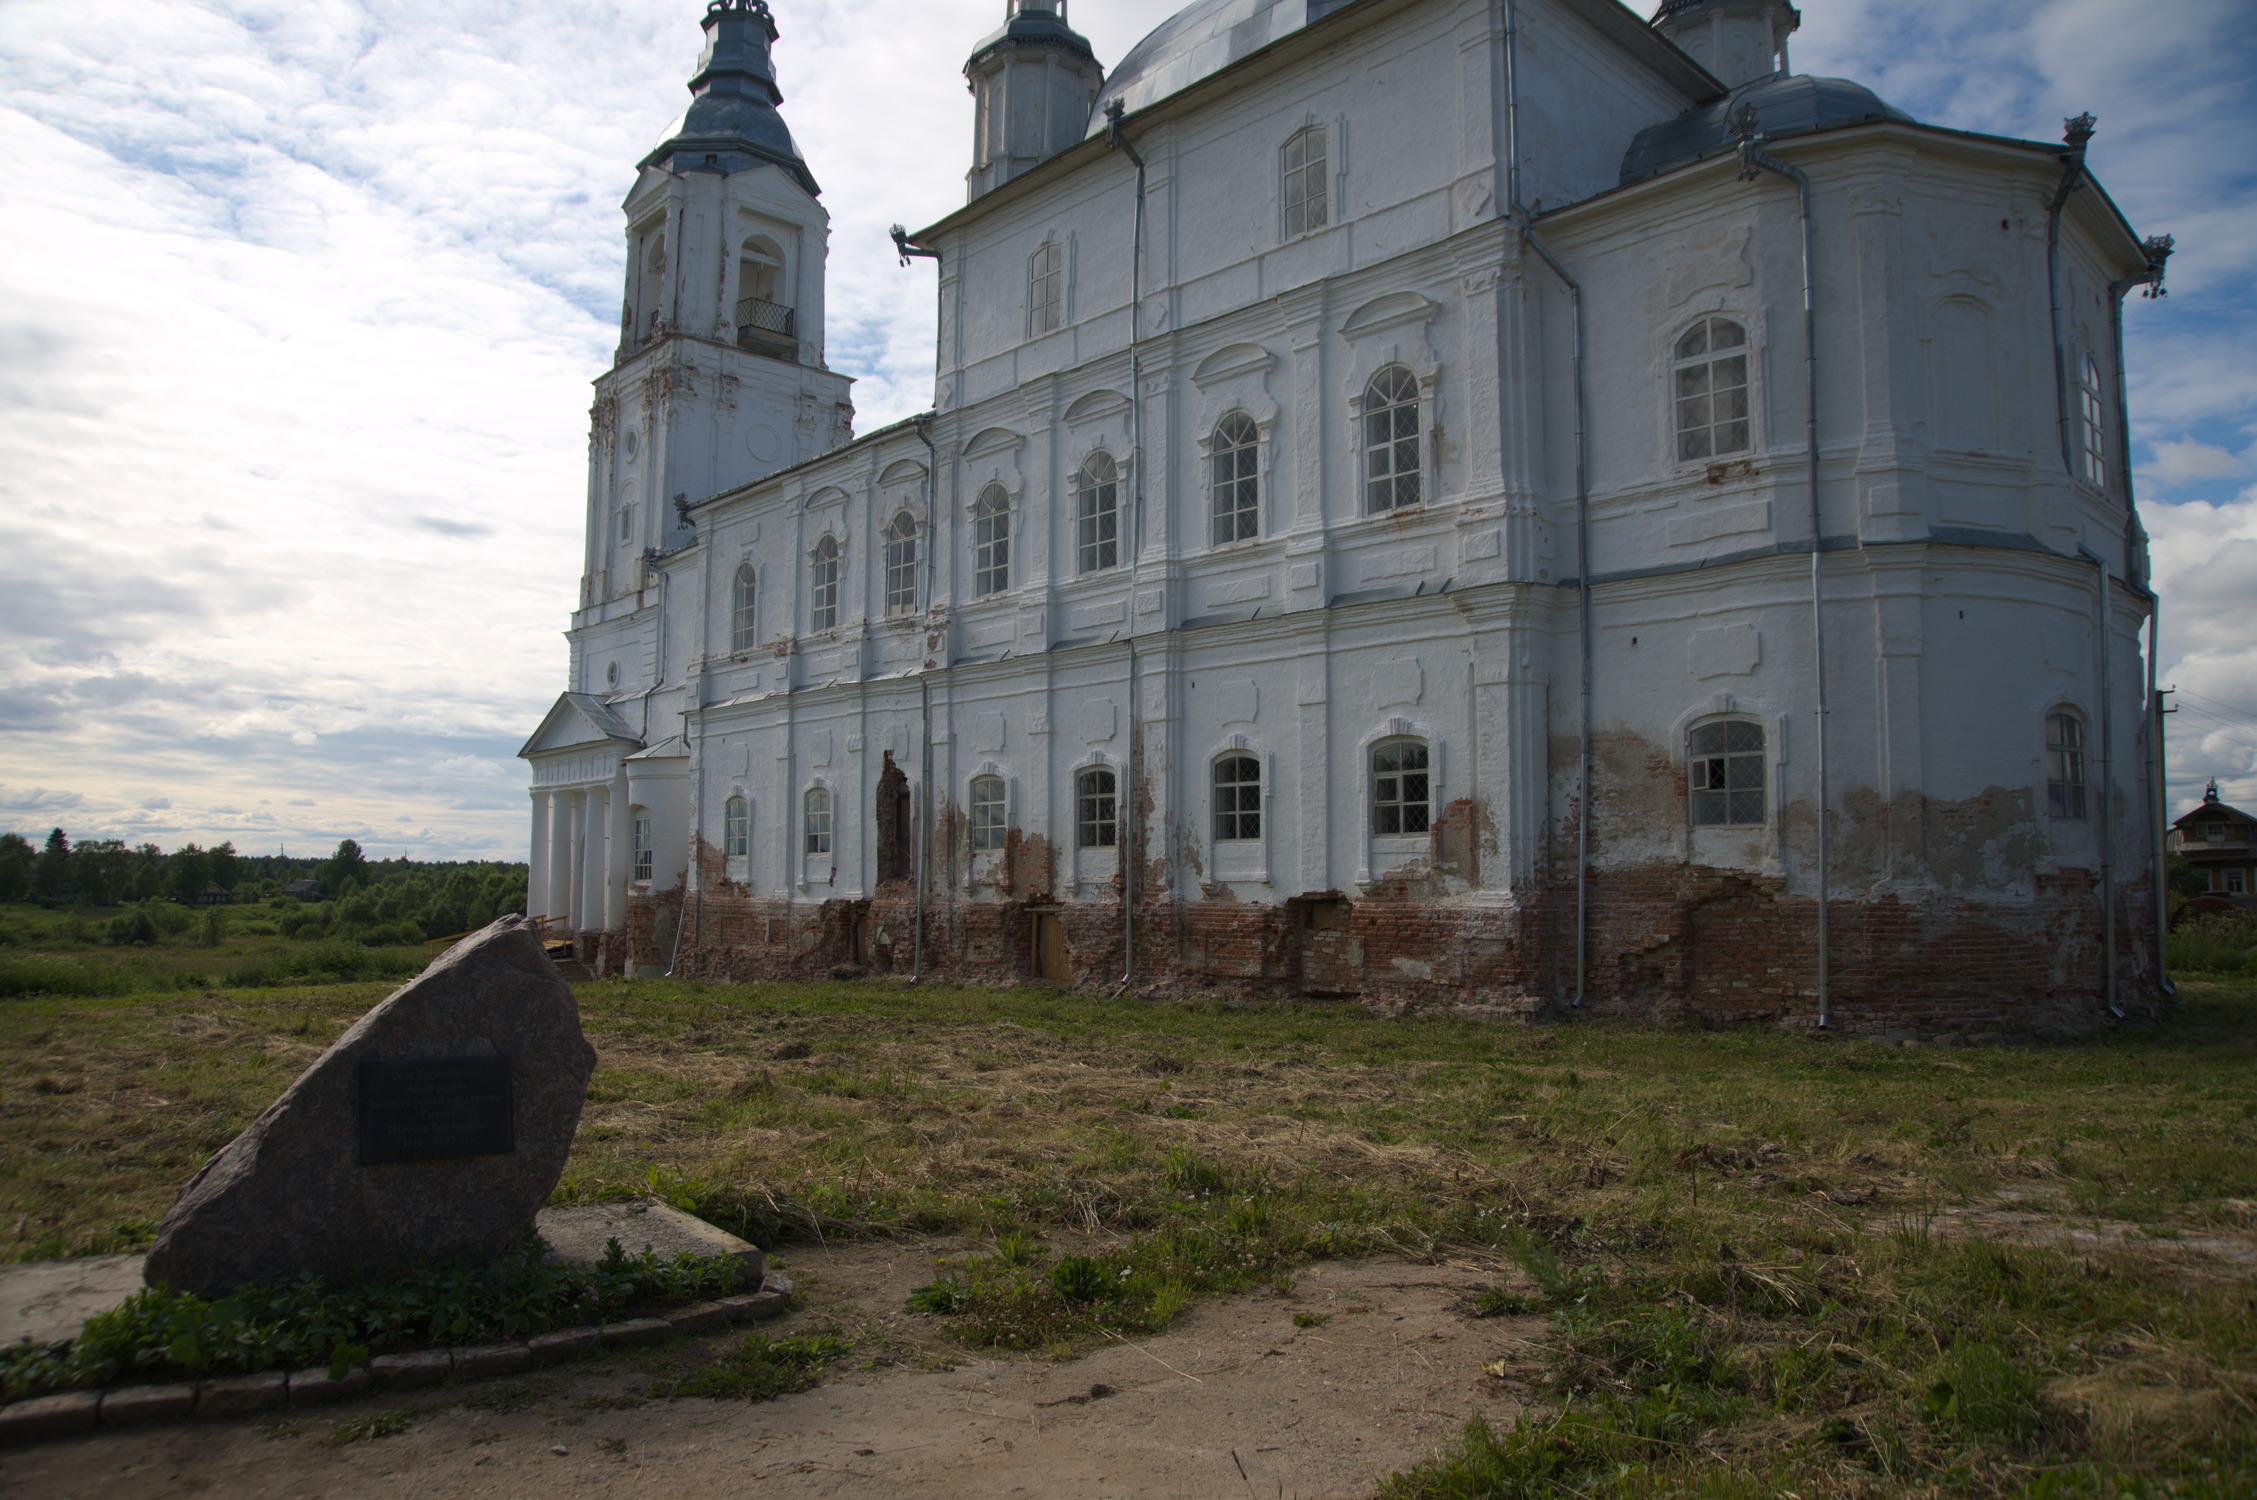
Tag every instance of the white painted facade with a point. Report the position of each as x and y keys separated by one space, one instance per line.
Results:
x=1962 y=570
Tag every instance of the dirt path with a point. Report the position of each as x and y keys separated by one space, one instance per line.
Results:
x=1234 y=1400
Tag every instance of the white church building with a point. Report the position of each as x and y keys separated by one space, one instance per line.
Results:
x=1495 y=505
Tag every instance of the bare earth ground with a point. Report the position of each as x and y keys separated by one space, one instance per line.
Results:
x=1234 y=1399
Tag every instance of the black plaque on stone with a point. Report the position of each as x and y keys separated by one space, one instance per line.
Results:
x=433 y=1108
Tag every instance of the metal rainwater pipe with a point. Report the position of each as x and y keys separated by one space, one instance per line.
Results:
x=2106 y=628
x=1522 y=221
x=1118 y=139
x=1754 y=161
x=925 y=706
x=2075 y=133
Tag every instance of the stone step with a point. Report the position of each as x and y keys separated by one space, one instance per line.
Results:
x=574 y=971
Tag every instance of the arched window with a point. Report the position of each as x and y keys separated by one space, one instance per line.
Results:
x=1097 y=514
x=1097 y=823
x=991 y=542
x=1726 y=780
x=766 y=321
x=1401 y=797
x=823 y=585
x=1303 y=188
x=818 y=821
x=640 y=849
x=1046 y=288
x=988 y=825
x=2091 y=424
x=1238 y=798
x=760 y=272
x=901 y=565
x=2064 y=766
x=743 y=631
x=1391 y=471
x=1711 y=382
x=1232 y=484
x=736 y=828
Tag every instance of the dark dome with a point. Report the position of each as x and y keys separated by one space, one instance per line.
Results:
x=1033 y=28
x=732 y=124
x=1795 y=105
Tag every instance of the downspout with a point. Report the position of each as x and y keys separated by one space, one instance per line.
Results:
x=2075 y=132
x=925 y=703
x=1118 y=138
x=1522 y=220
x=1754 y=162
x=2107 y=784
x=2158 y=249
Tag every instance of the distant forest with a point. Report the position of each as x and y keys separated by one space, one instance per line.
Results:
x=353 y=897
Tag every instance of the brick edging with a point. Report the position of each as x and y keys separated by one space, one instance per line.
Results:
x=72 y=1412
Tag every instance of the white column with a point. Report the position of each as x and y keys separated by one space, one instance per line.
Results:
x=559 y=856
x=597 y=800
x=621 y=850
x=536 y=859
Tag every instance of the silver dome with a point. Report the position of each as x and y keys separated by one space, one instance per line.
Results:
x=1200 y=40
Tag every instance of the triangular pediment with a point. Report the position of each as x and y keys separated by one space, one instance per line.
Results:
x=578 y=720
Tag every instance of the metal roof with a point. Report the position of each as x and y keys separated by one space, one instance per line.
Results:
x=1796 y=104
x=1033 y=26
x=1200 y=40
x=732 y=124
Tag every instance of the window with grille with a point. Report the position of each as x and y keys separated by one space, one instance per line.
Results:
x=2092 y=423
x=1097 y=514
x=988 y=826
x=1046 y=289
x=1391 y=470
x=736 y=828
x=743 y=632
x=1305 y=190
x=1711 y=382
x=1401 y=798
x=2064 y=766
x=818 y=820
x=901 y=565
x=823 y=586
x=641 y=846
x=1097 y=824
x=991 y=542
x=1238 y=798
x=1235 y=490
x=1727 y=774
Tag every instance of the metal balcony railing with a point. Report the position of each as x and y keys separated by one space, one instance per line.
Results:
x=767 y=327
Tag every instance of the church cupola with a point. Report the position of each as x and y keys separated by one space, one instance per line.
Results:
x=1033 y=85
x=732 y=124
x=1739 y=41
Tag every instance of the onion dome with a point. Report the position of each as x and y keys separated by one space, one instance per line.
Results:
x=732 y=124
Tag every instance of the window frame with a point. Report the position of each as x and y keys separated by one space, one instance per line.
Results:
x=1304 y=182
x=1234 y=480
x=2065 y=766
x=823 y=584
x=817 y=812
x=1727 y=758
x=1097 y=814
x=744 y=606
x=1705 y=361
x=988 y=813
x=642 y=852
x=1097 y=515
x=1399 y=804
x=2092 y=424
x=736 y=827
x=991 y=542
x=1233 y=820
x=900 y=580
x=1046 y=289
x=1401 y=401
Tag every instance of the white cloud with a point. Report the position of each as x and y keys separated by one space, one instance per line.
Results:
x=2185 y=459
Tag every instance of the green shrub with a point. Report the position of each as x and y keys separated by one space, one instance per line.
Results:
x=328 y=963
x=2219 y=942
x=55 y=974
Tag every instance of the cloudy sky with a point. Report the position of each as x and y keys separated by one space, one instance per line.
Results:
x=299 y=300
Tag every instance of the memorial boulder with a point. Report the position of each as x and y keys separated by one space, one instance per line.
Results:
x=433 y=1129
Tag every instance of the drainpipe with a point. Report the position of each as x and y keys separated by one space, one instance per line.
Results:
x=925 y=703
x=2075 y=133
x=1119 y=140
x=1754 y=162
x=2150 y=279
x=2107 y=784
x=1522 y=219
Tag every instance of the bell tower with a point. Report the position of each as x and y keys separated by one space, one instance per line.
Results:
x=1739 y=41
x=1034 y=84
x=719 y=376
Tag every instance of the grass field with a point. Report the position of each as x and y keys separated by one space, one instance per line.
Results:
x=1746 y=1240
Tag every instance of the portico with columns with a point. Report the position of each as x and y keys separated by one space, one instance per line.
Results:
x=582 y=818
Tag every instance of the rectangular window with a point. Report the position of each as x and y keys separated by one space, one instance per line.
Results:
x=988 y=827
x=1401 y=795
x=1726 y=780
x=1098 y=823
x=2237 y=882
x=626 y=524
x=901 y=566
x=1238 y=798
x=991 y=544
x=2064 y=766
x=823 y=587
x=1046 y=289
x=735 y=826
x=642 y=848
x=1304 y=185
x=818 y=822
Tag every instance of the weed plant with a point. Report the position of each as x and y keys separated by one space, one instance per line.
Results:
x=759 y=1368
x=159 y=1333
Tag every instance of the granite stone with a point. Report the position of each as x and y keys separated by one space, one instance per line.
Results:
x=48 y=1416
x=632 y=1332
x=240 y=1395
x=491 y=1359
x=580 y=1234
x=135 y=1405
x=564 y=1344
x=290 y=1195
x=314 y=1387
x=406 y=1372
